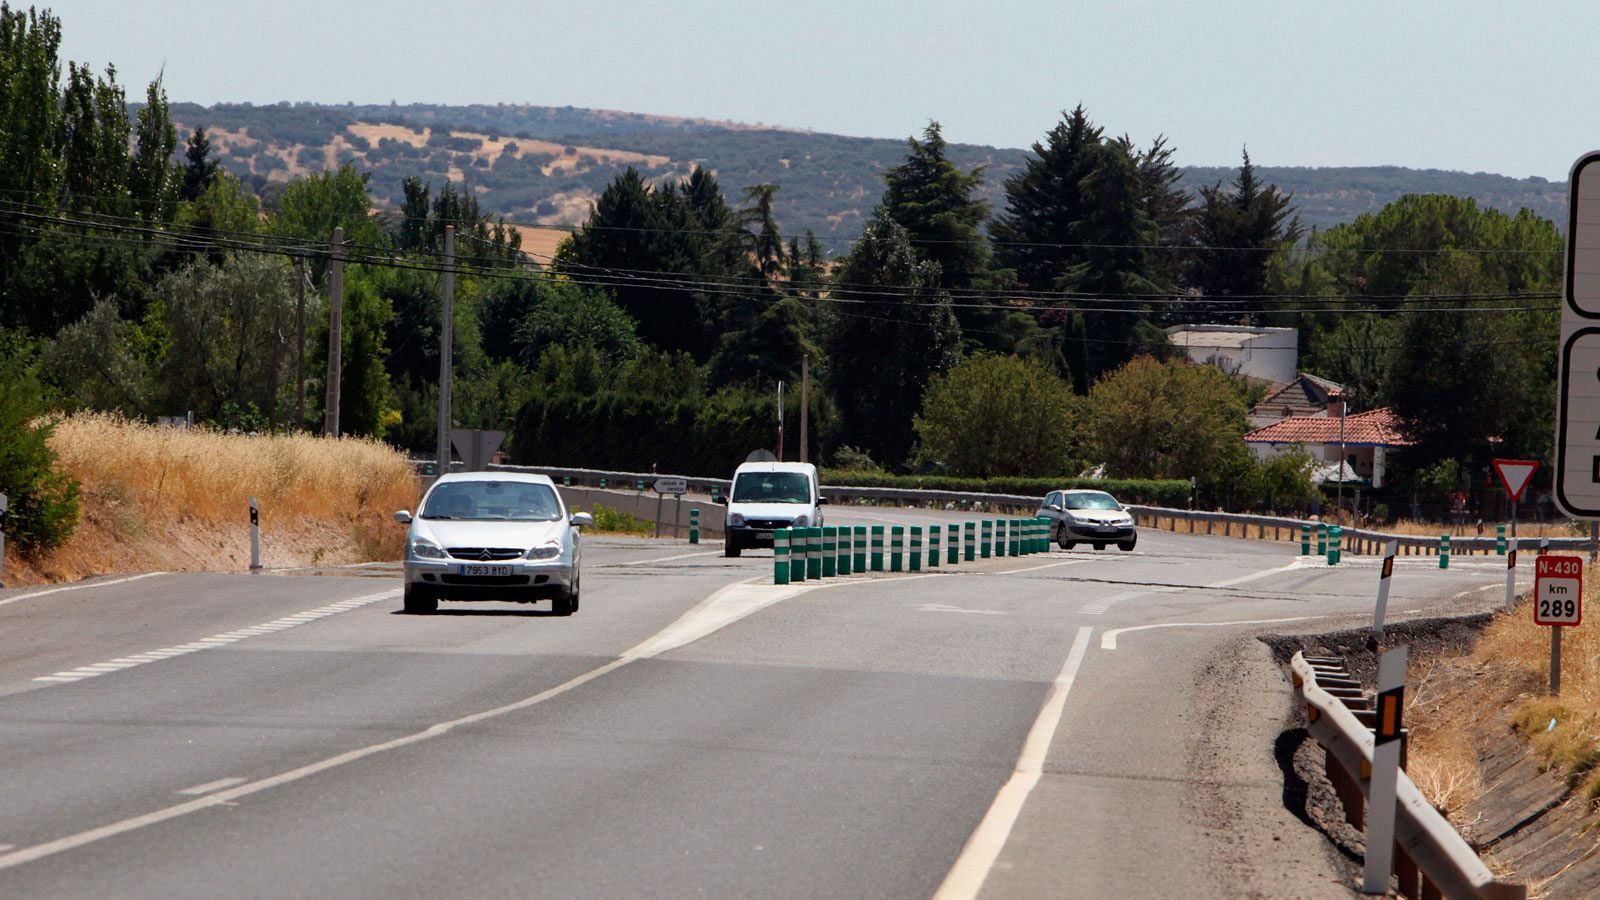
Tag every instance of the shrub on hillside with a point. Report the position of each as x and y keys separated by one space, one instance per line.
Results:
x=43 y=502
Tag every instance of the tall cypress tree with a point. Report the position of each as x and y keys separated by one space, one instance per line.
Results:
x=1236 y=231
x=1037 y=234
x=933 y=200
x=201 y=169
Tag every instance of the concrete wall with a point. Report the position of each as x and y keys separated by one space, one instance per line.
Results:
x=643 y=506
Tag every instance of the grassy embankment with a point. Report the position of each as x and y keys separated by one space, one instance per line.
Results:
x=171 y=500
x=1454 y=701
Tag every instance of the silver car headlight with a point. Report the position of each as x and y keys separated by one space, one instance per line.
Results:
x=802 y=520
x=735 y=518
x=546 y=551
x=422 y=548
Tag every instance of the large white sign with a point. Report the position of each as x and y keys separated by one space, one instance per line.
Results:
x=1577 y=475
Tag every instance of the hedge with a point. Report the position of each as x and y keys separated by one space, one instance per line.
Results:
x=1149 y=492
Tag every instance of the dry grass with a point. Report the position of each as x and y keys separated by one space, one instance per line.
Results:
x=160 y=498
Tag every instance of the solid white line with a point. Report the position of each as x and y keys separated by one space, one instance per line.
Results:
x=1065 y=562
x=210 y=786
x=971 y=869
x=78 y=587
x=661 y=559
x=1108 y=641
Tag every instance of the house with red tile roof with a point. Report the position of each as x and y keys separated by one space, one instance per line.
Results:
x=1365 y=442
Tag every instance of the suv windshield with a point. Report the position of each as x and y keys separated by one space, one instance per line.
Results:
x=484 y=500
x=1095 y=500
x=772 y=487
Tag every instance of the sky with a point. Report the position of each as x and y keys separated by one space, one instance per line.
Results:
x=1468 y=85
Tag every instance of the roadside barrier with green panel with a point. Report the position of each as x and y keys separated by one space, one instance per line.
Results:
x=814 y=552
x=797 y=554
x=830 y=551
x=1322 y=539
x=953 y=544
x=1444 y=551
x=845 y=534
x=1305 y=539
x=694 y=524
x=860 y=563
x=988 y=538
x=897 y=547
x=933 y=546
x=1500 y=540
x=915 y=556
x=877 y=548
x=1335 y=535
x=1000 y=526
x=970 y=540
x=780 y=556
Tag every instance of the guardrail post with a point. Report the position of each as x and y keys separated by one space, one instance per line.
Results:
x=829 y=563
x=877 y=548
x=694 y=524
x=780 y=556
x=1444 y=551
x=797 y=554
x=845 y=549
x=814 y=551
x=859 y=564
x=933 y=546
x=916 y=548
x=985 y=548
x=897 y=546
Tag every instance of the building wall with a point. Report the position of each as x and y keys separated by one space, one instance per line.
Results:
x=1271 y=354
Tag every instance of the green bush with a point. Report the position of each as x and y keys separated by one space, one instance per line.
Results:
x=43 y=502
x=1147 y=492
x=615 y=521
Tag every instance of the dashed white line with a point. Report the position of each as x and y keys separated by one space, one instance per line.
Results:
x=213 y=642
x=965 y=879
x=210 y=786
x=77 y=587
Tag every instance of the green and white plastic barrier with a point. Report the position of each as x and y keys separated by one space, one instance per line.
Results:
x=814 y=552
x=860 y=541
x=797 y=554
x=915 y=558
x=1444 y=551
x=970 y=540
x=830 y=551
x=845 y=534
x=877 y=548
x=897 y=547
x=780 y=556
x=933 y=546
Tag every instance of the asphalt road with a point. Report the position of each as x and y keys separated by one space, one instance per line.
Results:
x=1068 y=725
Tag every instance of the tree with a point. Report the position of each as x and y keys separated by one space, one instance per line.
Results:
x=999 y=416
x=1235 y=234
x=94 y=363
x=565 y=314
x=153 y=180
x=934 y=201
x=43 y=501
x=312 y=207
x=762 y=239
x=201 y=170
x=892 y=331
x=1037 y=233
x=1153 y=419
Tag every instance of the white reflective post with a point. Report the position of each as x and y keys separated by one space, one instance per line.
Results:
x=5 y=505
x=255 y=537
x=1389 y=551
x=1385 y=771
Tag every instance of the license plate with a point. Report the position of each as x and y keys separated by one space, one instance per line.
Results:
x=485 y=571
x=764 y=535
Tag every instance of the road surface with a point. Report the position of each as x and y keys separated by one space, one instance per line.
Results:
x=1065 y=725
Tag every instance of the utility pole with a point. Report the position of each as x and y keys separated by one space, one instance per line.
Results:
x=272 y=370
x=446 y=344
x=780 y=421
x=300 y=345
x=805 y=407
x=330 y=424
x=1338 y=509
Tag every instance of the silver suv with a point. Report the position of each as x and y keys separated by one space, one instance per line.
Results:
x=1088 y=517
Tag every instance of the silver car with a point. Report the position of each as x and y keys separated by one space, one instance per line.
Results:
x=1088 y=517
x=492 y=535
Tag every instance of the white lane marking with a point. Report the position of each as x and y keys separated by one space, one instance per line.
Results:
x=965 y=879
x=210 y=786
x=5 y=847
x=211 y=643
x=722 y=608
x=1104 y=604
x=662 y=559
x=78 y=587
x=1065 y=562
x=1108 y=641
x=941 y=607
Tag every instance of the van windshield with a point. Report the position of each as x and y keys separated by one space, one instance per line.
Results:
x=772 y=487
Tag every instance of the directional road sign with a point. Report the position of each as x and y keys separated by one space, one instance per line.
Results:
x=1558 y=591
x=1515 y=475
x=1577 y=475
x=672 y=486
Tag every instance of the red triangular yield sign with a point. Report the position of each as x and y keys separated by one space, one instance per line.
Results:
x=1515 y=474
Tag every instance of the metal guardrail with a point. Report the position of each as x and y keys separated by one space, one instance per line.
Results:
x=1357 y=541
x=1431 y=857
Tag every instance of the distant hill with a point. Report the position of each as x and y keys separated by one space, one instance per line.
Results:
x=545 y=165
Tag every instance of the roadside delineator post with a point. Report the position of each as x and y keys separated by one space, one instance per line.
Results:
x=5 y=506
x=988 y=538
x=969 y=533
x=897 y=546
x=1335 y=534
x=1511 y=574
x=814 y=551
x=1390 y=550
x=602 y=482
x=1444 y=551
x=566 y=481
x=953 y=542
x=1381 y=792
x=830 y=551
x=1000 y=528
x=694 y=524
x=933 y=546
x=255 y=537
x=845 y=534
x=916 y=549
x=1322 y=539
x=859 y=564
x=1305 y=539
x=1500 y=540
x=877 y=548
x=797 y=554
x=780 y=556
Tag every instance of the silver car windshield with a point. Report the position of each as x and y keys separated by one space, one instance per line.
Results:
x=1095 y=500
x=772 y=487
x=477 y=501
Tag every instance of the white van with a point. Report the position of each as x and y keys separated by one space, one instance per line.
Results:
x=767 y=496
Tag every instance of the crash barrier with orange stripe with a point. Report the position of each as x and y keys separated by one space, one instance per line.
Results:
x=1431 y=859
x=816 y=552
